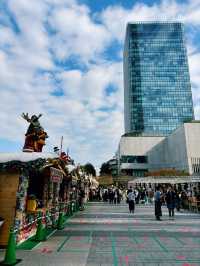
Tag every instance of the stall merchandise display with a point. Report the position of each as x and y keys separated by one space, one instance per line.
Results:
x=23 y=221
x=21 y=200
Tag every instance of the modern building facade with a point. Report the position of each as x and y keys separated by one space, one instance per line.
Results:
x=180 y=150
x=133 y=154
x=157 y=90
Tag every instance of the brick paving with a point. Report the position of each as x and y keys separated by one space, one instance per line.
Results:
x=105 y=235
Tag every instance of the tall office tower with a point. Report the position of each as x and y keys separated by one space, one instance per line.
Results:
x=157 y=90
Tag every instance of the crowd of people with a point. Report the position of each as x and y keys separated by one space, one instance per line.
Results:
x=174 y=197
x=112 y=195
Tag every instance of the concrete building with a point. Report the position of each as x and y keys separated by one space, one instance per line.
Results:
x=113 y=166
x=180 y=150
x=133 y=154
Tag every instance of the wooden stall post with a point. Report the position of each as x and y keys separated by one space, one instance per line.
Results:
x=8 y=188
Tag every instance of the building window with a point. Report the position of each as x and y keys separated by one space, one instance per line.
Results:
x=134 y=159
x=195 y=165
x=139 y=172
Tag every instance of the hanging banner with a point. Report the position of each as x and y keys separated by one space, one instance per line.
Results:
x=56 y=175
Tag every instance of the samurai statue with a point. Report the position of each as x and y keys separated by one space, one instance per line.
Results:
x=35 y=135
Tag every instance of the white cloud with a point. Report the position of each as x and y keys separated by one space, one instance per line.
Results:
x=165 y=11
x=90 y=86
x=76 y=34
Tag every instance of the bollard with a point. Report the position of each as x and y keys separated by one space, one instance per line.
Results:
x=67 y=214
x=71 y=208
x=54 y=224
x=77 y=206
x=61 y=217
x=10 y=256
x=60 y=223
x=48 y=219
x=41 y=230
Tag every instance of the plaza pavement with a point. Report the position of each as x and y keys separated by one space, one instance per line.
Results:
x=105 y=235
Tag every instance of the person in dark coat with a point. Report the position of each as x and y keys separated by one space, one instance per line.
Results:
x=105 y=196
x=177 y=201
x=129 y=190
x=118 y=196
x=170 y=199
x=111 y=196
x=81 y=199
x=158 y=203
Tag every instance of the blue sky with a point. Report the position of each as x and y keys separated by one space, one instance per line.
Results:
x=63 y=58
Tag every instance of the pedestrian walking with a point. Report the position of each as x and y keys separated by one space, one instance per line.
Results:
x=131 y=200
x=119 y=196
x=111 y=196
x=105 y=195
x=170 y=198
x=98 y=194
x=90 y=195
x=81 y=199
x=137 y=196
x=115 y=196
x=158 y=203
x=177 y=200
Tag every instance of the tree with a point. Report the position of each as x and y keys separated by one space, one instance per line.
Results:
x=105 y=169
x=89 y=169
x=167 y=172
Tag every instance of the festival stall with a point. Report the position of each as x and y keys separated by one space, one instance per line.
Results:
x=20 y=177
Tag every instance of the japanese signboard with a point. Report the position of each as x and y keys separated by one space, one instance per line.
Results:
x=56 y=175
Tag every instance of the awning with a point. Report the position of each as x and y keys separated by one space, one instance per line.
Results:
x=166 y=180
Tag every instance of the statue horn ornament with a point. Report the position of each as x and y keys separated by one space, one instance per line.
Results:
x=35 y=136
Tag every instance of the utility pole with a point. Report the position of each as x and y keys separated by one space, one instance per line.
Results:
x=61 y=145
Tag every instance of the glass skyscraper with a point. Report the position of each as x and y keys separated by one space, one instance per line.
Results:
x=157 y=90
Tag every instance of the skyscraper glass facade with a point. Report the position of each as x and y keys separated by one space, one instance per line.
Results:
x=157 y=90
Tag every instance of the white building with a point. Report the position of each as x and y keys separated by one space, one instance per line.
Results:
x=180 y=150
x=133 y=154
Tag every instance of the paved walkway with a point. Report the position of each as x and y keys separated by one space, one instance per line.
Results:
x=105 y=235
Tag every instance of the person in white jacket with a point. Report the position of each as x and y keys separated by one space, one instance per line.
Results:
x=131 y=200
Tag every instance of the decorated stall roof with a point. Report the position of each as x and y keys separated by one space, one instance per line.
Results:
x=166 y=180
x=25 y=156
x=11 y=161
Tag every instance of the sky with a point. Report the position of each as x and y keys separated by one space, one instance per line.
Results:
x=63 y=58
